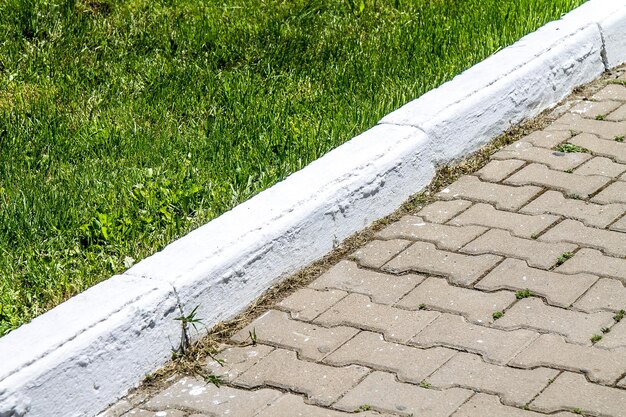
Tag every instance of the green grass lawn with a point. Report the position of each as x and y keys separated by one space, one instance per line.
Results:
x=126 y=123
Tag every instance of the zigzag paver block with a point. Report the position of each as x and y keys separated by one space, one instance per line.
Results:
x=559 y=289
x=502 y=196
x=382 y=392
x=572 y=184
x=494 y=345
x=514 y=386
x=476 y=306
x=426 y=258
x=600 y=365
x=409 y=363
x=578 y=327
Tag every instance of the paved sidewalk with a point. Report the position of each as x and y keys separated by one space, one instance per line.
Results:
x=502 y=298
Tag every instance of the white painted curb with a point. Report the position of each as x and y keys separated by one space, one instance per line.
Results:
x=89 y=351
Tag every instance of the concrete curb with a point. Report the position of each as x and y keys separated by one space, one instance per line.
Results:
x=88 y=352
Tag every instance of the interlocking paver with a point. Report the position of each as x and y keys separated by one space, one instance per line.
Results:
x=514 y=386
x=553 y=159
x=444 y=236
x=442 y=211
x=233 y=361
x=519 y=224
x=458 y=268
x=406 y=324
x=612 y=243
x=381 y=391
x=290 y=405
x=322 y=384
x=578 y=327
x=594 y=262
x=553 y=202
x=572 y=391
x=496 y=171
x=592 y=109
x=576 y=123
x=618 y=115
x=308 y=303
x=358 y=311
x=411 y=364
x=606 y=294
x=485 y=405
x=495 y=345
x=572 y=184
x=614 y=193
x=559 y=289
x=609 y=148
x=310 y=341
x=611 y=92
x=378 y=252
x=502 y=196
x=600 y=365
x=197 y=395
x=616 y=337
x=474 y=305
x=601 y=166
x=619 y=225
x=546 y=138
x=382 y=288
x=539 y=254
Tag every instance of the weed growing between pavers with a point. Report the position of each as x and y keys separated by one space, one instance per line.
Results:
x=125 y=124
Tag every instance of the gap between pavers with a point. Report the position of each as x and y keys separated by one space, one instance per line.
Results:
x=86 y=353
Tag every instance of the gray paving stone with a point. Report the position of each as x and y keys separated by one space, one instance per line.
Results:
x=577 y=327
x=575 y=123
x=614 y=193
x=611 y=243
x=494 y=345
x=558 y=289
x=616 y=338
x=290 y=405
x=410 y=364
x=619 y=225
x=137 y=412
x=553 y=202
x=600 y=365
x=458 y=268
x=236 y=360
x=310 y=341
x=566 y=393
x=442 y=211
x=618 y=115
x=611 y=92
x=358 y=311
x=192 y=393
x=594 y=262
x=382 y=288
x=485 y=405
x=546 y=138
x=378 y=252
x=502 y=196
x=474 y=305
x=444 y=236
x=538 y=254
x=381 y=391
x=321 y=383
x=592 y=109
x=514 y=386
x=496 y=171
x=601 y=166
x=553 y=159
x=519 y=224
x=572 y=184
x=606 y=294
x=307 y=303
x=602 y=147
